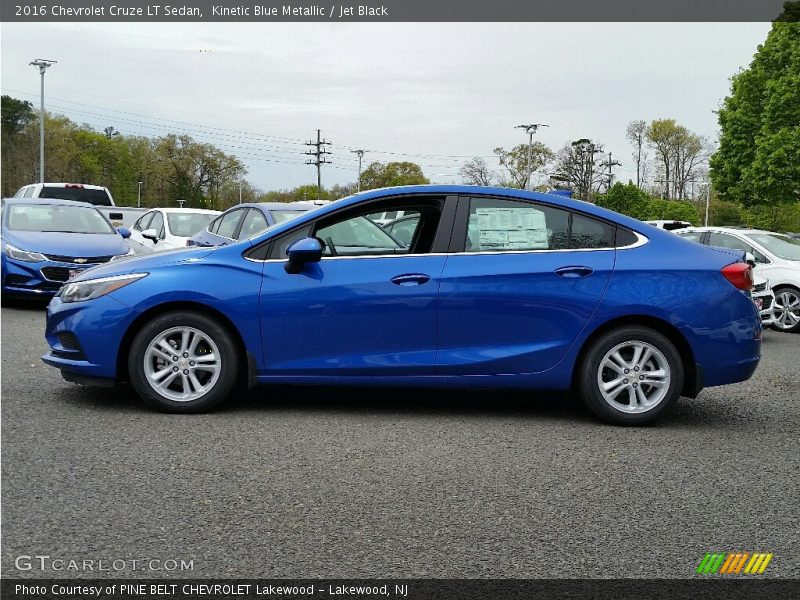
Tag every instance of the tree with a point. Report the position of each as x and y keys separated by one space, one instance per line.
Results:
x=679 y=152
x=627 y=199
x=16 y=114
x=477 y=172
x=758 y=161
x=636 y=134
x=378 y=175
x=577 y=169
x=515 y=162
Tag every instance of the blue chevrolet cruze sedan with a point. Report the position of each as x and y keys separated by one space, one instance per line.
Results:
x=495 y=288
x=47 y=241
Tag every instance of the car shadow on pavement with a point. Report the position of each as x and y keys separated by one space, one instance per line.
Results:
x=356 y=400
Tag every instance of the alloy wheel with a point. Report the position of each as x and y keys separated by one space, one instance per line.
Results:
x=786 y=309
x=634 y=377
x=182 y=364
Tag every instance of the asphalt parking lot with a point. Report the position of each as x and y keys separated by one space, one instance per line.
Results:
x=313 y=482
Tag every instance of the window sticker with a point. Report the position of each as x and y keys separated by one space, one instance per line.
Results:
x=512 y=229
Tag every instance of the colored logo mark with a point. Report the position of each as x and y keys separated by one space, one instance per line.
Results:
x=734 y=563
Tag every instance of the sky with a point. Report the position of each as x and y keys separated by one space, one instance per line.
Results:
x=433 y=93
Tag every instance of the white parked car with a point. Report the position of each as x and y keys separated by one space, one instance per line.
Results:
x=777 y=259
x=669 y=225
x=763 y=298
x=170 y=228
x=80 y=192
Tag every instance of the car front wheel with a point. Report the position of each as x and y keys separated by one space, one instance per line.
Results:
x=786 y=310
x=183 y=362
x=630 y=376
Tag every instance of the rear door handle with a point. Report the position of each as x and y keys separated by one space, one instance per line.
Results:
x=411 y=279
x=573 y=271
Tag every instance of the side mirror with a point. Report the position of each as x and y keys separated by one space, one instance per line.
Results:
x=150 y=234
x=124 y=232
x=307 y=250
x=750 y=259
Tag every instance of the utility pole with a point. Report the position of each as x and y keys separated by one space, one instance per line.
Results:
x=139 y=196
x=360 y=156
x=240 y=192
x=592 y=151
x=610 y=163
x=530 y=129
x=319 y=159
x=708 y=201
x=43 y=65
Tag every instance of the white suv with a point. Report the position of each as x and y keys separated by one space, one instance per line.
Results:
x=777 y=259
x=80 y=192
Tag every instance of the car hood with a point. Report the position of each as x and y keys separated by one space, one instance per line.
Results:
x=67 y=244
x=138 y=264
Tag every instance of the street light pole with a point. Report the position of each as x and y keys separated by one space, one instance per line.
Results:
x=530 y=129
x=139 y=196
x=43 y=65
x=360 y=156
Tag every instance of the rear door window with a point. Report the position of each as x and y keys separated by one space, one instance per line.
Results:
x=254 y=223
x=230 y=223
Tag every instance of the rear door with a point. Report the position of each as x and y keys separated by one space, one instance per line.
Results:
x=521 y=283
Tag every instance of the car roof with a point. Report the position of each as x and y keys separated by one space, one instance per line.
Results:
x=47 y=202
x=187 y=210
x=87 y=186
x=741 y=230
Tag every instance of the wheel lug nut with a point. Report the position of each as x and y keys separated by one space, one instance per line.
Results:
x=174 y=358
x=636 y=369
x=186 y=371
x=627 y=371
x=175 y=369
x=191 y=363
x=624 y=381
x=185 y=355
x=635 y=385
x=641 y=376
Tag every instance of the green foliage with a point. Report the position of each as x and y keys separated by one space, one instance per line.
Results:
x=379 y=175
x=515 y=162
x=629 y=200
x=775 y=217
x=758 y=161
x=16 y=114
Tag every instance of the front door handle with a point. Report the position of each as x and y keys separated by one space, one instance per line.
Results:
x=411 y=279
x=573 y=271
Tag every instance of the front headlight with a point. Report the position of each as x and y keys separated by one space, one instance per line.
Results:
x=121 y=256
x=24 y=255
x=90 y=289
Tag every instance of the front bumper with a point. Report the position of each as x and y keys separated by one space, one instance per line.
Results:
x=96 y=327
x=40 y=279
x=763 y=302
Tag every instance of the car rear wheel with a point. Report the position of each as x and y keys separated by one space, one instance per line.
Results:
x=786 y=310
x=630 y=376
x=183 y=362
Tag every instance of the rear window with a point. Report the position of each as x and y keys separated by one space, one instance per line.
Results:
x=284 y=215
x=78 y=194
x=187 y=224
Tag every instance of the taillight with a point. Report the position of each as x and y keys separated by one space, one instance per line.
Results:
x=740 y=275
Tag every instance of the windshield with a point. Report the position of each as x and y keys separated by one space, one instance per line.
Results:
x=281 y=216
x=79 y=194
x=187 y=224
x=63 y=219
x=781 y=246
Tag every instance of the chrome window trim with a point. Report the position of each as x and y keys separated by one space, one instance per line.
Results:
x=640 y=241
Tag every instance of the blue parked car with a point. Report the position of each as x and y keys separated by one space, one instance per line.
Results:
x=498 y=288
x=45 y=242
x=246 y=220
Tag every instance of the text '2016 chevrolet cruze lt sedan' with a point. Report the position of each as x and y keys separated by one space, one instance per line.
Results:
x=495 y=288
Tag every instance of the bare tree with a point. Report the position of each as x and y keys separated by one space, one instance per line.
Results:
x=636 y=134
x=515 y=162
x=477 y=172
x=577 y=167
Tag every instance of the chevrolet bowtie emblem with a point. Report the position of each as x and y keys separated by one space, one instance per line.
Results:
x=80 y=260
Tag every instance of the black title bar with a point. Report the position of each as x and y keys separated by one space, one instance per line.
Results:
x=390 y=10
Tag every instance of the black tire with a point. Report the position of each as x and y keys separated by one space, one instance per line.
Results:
x=791 y=293
x=589 y=387
x=215 y=333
